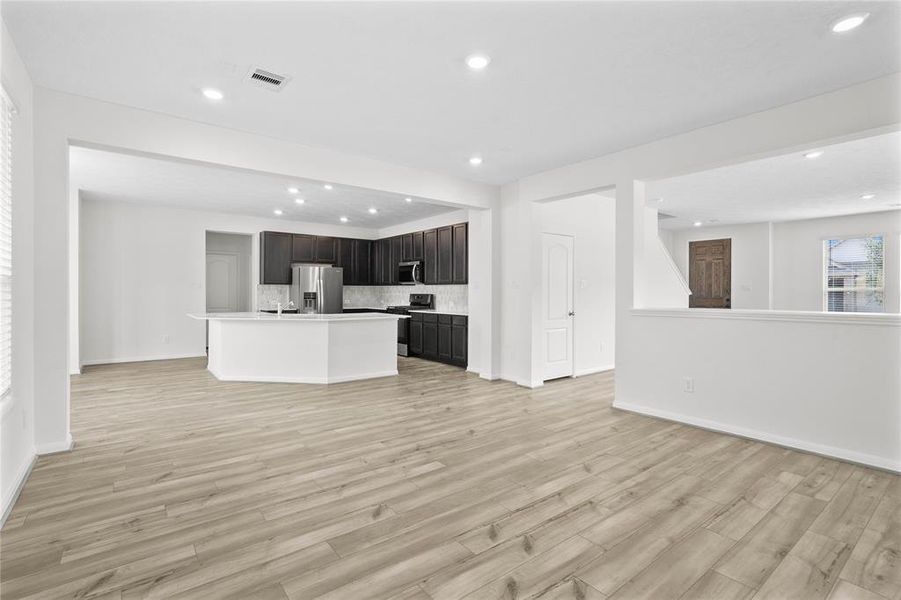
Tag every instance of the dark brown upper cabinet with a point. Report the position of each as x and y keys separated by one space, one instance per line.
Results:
x=407 y=240
x=417 y=245
x=461 y=253
x=304 y=248
x=362 y=249
x=445 y=255
x=430 y=256
x=275 y=258
x=326 y=250
x=397 y=254
x=346 y=259
x=385 y=262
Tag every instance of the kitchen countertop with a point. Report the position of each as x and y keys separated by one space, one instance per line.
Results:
x=458 y=313
x=255 y=316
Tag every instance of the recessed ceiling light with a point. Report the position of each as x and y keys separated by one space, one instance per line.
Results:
x=697 y=223
x=813 y=154
x=372 y=211
x=298 y=201
x=477 y=62
x=212 y=94
x=408 y=199
x=293 y=190
x=850 y=22
x=327 y=186
x=475 y=161
x=868 y=196
x=343 y=219
x=278 y=212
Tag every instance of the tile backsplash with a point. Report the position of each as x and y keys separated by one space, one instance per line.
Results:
x=447 y=297
x=268 y=296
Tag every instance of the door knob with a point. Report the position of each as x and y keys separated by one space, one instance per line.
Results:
x=572 y=314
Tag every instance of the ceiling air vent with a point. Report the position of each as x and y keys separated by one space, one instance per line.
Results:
x=267 y=79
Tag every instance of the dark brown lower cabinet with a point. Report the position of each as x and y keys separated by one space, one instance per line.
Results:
x=444 y=338
x=439 y=337
x=415 y=344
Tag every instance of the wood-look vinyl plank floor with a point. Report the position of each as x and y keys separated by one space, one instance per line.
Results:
x=433 y=485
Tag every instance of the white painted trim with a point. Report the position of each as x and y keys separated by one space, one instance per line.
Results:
x=529 y=384
x=21 y=478
x=130 y=359
x=486 y=376
x=314 y=380
x=795 y=316
x=593 y=370
x=829 y=451
x=55 y=447
x=75 y=371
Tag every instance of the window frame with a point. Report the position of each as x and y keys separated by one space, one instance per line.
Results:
x=824 y=273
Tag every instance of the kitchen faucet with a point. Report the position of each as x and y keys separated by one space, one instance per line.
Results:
x=289 y=306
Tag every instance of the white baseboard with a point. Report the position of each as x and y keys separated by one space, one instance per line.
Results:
x=316 y=380
x=795 y=444
x=486 y=376
x=21 y=477
x=529 y=384
x=130 y=359
x=54 y=447
x=592 y=370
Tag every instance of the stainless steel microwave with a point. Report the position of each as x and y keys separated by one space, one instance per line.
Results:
x=409 y=273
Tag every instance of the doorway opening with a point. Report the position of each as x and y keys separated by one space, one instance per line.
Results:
x=575 y=320
x=710 y=273
x=228 y=272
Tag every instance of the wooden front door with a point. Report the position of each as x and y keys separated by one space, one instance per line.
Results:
x=710 y=273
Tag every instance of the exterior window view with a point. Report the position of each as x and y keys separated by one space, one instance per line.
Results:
x=855 y=274
x=497 y=300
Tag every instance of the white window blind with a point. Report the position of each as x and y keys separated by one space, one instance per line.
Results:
x=854 y=274
x=6 y=243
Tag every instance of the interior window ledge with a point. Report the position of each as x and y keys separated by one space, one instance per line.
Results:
x=798 y=316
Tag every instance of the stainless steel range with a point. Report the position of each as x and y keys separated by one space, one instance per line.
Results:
x=417 y=302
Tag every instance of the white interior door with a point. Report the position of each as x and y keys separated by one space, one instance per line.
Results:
x=221 y=282
x=557 y=304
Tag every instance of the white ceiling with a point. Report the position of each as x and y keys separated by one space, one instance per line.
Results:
x=567 y=80
x=789 y=187
x=129 y=178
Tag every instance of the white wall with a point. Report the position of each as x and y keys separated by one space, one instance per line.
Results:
x=750 y=259
x=798 y=257
x=800 y=355
x=591 y=220
x=17 y=445
x=827 y=387
x=143 y=269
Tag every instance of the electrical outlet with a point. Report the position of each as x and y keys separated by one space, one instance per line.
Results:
x=166 y=339
x=688 y=385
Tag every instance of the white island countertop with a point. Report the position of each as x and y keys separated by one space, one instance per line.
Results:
x=259 y=316
x=299 y=348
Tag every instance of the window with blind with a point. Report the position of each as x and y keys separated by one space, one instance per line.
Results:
x=854 y=278
x=6 y=242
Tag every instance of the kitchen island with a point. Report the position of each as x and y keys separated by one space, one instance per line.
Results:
x=301 y=348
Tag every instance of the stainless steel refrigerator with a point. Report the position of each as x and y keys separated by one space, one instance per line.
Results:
x=316 y=289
